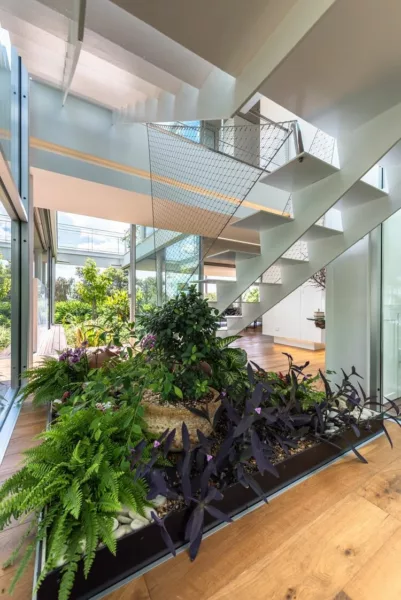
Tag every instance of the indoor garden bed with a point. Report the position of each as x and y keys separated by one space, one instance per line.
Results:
x=143 y=549
x=114 y=487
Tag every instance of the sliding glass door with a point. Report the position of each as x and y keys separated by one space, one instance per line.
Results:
x=391 y=307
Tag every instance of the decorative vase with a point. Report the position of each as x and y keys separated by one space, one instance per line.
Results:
x=160 y=416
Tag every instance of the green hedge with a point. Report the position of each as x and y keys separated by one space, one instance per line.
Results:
x=64 y=310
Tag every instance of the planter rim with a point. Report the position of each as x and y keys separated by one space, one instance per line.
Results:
x=327 y=455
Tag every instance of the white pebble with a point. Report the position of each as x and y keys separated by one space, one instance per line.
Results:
x=159 y=501
x=137 y=517
x=124 y=519
x=137 y=524
x=115 y=524
x=121 y=531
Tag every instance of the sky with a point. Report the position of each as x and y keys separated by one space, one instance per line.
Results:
x=87 y=240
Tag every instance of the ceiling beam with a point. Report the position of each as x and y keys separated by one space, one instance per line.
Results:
x=75 y=40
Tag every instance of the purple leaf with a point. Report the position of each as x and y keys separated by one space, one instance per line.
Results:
x=164 y=533
x=319 y=416
x=213 y=494
x=185 y=437
x=243 y=425
x=359 y=455
x=231 y=412
x=262 y=463
x=205 y=443
x=218 y=514
x=251 y=374
x=387 y=435
x=355 y=430
x=224 y=450
x=194 y=546
x=194 y=525
x=210 y=468
x=168 y=441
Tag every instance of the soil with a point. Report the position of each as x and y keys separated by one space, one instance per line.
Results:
x=155 y=398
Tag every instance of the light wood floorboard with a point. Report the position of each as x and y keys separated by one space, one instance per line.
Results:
x=335 y=536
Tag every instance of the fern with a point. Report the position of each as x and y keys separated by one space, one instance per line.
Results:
x=78 y=478
x=72 y=501
x=91 y=529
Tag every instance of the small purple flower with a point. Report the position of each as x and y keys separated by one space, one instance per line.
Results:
x=223 y=394
x=148 y=342
x=209 y=457
x=258 y=410
x=156 y=444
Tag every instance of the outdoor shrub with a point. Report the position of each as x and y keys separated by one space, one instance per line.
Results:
x=68 y=311
x=5 y=336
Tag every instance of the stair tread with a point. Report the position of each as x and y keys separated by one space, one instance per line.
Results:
x=283 y=260
x=230 y=255
x=262 y=220
x=360 y=193
x=296 y=175
x=317 y=232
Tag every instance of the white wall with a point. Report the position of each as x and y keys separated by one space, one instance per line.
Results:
x=289 y=318
x=348 y=312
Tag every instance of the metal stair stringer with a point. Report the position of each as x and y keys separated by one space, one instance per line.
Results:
x=370 y=143
x=322 y=252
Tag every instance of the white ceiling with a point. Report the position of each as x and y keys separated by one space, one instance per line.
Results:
x=226 y=33
x=133 y=52
x=346 y=70
x=123 y=60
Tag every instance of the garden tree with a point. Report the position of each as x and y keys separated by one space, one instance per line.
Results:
x=118 y=279
x=64 y=289
x=146 y=292
x=5 y=279
x=93 y=285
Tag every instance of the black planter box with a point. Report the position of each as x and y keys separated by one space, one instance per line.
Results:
x=139 y=550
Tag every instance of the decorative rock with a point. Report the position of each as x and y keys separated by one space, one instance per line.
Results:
x=82 y=546
x=115 y=524
x=138 y=524
x=332 y=430
x=121 y=531
x=159 y=501
x=124 y=519
x=137 y=517
x=124 y=510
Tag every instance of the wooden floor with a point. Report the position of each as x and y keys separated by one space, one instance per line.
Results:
x=336 y=536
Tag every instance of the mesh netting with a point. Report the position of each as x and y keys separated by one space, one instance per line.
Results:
x=197 y=190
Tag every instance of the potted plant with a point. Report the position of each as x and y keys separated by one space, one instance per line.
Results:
x=181 y=346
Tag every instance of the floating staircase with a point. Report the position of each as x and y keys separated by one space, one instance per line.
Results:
x=315 y=187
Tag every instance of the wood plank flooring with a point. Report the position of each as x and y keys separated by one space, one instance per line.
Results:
x=335 y=536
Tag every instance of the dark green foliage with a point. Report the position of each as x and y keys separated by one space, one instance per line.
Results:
x=186 y=357
x=70 y=310
x=182 y=323
x=78 y=478
x=52 y=378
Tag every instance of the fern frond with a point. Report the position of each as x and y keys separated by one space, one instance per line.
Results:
x=72 y=500
x=22 y=566
x=91 y=530
x=106 y=533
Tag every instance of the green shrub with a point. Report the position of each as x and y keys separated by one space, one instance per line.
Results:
x=66 y=312
x=5 y=336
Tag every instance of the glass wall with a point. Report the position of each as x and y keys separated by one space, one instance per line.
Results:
x=391 y=307
x=5 y=300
